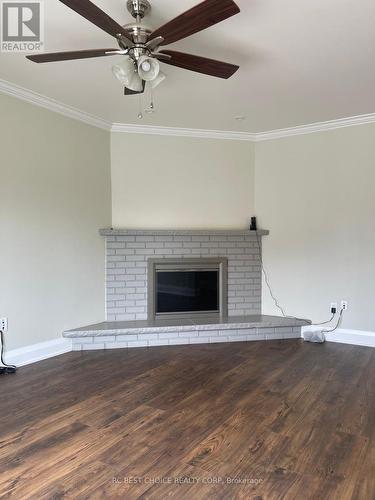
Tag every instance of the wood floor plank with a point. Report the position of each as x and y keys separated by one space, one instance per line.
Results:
x=259 y=420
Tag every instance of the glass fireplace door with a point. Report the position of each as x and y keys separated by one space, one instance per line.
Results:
x=186 y=287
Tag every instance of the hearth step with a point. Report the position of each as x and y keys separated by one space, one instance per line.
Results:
x=129 y=334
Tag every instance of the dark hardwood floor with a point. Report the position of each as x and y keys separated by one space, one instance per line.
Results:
x=262 y=420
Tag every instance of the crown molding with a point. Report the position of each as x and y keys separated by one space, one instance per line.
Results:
x=183 y=132
x=31 y=97
x=315 y=127
x=76 y=114
x=247 y=136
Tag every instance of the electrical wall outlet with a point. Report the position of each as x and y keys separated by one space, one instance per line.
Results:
x=344 y=305
x=333 y=307
x=4 y=324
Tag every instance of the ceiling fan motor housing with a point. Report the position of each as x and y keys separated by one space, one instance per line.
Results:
x=138 y=8
x=139 y=33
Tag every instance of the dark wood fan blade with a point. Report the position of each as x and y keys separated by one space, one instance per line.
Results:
x=198 y=18
x=199 y=64
x=92 y=13
x=68 y=56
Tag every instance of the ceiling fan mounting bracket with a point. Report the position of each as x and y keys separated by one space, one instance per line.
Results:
x=138 y=8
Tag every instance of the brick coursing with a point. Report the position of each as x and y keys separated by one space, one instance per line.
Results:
x=126 y=270
x=184 y=338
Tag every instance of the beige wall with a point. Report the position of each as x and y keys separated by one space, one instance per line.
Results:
x=316 y=194
x=179 y=182
x=54 y=196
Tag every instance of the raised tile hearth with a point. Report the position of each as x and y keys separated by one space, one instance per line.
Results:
x=128 y=334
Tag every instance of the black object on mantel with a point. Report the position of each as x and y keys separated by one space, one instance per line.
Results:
x=253 y=225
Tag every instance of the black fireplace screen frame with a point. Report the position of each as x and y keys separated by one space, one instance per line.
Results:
x=155 y=266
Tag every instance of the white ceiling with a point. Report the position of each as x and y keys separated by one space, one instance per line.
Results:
x=301 y=62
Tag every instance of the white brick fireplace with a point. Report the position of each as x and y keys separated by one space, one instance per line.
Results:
x=127 y=254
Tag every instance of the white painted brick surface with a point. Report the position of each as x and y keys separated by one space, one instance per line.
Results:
x=237 y=338
x=215 y=340
x=154 y=343
x=93 y=347
x=199 y=340
x=179 y=342
x=139 y=343
x=81 y=340
x=168 y=336
x=126 y=268
x=116 y=345
x=126 y=338
x=292 y=335
x=104 y=339
x=189 y=335
x=184 y=338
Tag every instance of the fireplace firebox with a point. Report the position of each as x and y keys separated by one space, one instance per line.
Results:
x=187 y=287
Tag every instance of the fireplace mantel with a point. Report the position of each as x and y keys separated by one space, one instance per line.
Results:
x=181 y=232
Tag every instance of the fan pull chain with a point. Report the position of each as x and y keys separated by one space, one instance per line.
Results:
x=151 y=109
x=140 y=114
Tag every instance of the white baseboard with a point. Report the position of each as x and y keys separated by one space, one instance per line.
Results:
x=344 y=336
x=44 y=350
x=354 y=337
x=37 y=352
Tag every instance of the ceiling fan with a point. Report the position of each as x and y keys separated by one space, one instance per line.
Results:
x=141 y=45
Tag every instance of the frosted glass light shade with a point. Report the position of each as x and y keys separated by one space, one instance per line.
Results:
x=148 y=68
x=126 y=73
x=158 y=80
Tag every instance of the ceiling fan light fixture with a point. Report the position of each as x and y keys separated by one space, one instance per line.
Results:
x=158 y=80
x=126 y=73
x=148 y=68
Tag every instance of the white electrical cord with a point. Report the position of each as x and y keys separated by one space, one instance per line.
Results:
x=276 y=302
x=337 y=324
x=4 y=367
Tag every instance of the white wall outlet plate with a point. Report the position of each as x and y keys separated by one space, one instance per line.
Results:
x=344 y=305
x=333 y=306
x=4 y=324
